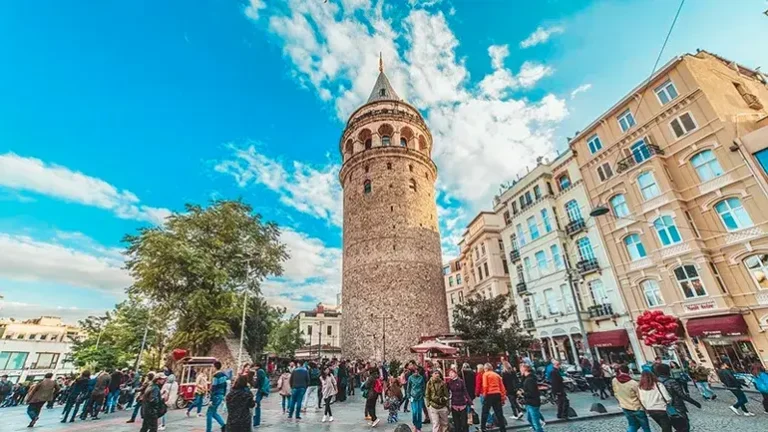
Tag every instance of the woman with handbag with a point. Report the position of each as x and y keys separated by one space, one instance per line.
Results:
x=678 y=412
x=653 y=398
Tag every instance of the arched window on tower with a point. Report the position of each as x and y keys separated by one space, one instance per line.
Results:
x=385 y=132
x=367 y=187
x=406 y=135
x=385 y=141
x=368 y=144
x=403 y=142
x=412 y=185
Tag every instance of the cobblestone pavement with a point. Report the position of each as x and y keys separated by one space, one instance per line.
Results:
x=715 y=416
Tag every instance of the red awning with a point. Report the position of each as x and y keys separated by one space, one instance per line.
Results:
x=725 y=325
x=611 y=338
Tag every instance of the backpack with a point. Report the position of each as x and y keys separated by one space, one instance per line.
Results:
x=761 y=383
x=378 y=387
x=314 y=377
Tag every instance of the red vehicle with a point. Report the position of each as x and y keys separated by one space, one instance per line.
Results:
x=190 y=367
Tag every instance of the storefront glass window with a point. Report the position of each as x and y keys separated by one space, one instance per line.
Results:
x=688 y=278
x=758 y=267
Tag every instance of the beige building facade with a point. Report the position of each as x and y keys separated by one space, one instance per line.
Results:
x=454 y=287
x=687 y=229
x=484 y=267
x=29 y=349
x=392 y=263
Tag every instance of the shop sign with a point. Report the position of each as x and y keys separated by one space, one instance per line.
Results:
x=699 y=307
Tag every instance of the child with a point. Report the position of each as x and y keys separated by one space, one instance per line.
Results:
x=393 y=399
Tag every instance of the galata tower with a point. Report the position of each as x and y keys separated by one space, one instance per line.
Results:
x=392 y=284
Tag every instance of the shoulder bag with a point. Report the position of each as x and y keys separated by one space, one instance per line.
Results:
x=672 y=412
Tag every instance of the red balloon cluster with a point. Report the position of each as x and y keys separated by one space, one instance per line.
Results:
x=656 y=328
x=179 y=354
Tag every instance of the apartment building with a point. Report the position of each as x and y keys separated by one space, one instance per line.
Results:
x=484 y=268
x=321 y=326
x=548 y=235
x=684 y=229
x=29 y=349
x=454 y=287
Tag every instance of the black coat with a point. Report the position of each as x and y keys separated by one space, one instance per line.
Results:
x=558 y=387
x=728 y=379
x=679 y=398
x=468 y=375
x=151 y=402
x=531 y=394
x=239 y=405
x=511 y=382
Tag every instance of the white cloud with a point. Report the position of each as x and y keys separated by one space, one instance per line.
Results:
x=33 y=175
x=498 y=53
x=68 y=259
x=540 y=35
x=69 y=315
x=312 y=190
x=252 y=10
x=580 y=89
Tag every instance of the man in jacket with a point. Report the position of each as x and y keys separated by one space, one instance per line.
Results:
x=262 y=391
x=436 y=397
x=415 y=393
x=626 y=391
x=532 y=398
x=98 y=394
x=299 y=382
x=700 y=376
x=114 y=390
x=677 y=395
x=731 y=383
x=40 y=393
x=218 y=391
x=558 y=390
x=493 y=393
x=153 y=406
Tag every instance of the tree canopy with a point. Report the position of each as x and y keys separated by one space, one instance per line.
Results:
x=488 y=326
x=286 y=338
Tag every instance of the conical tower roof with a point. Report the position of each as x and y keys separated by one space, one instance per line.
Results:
x=382 y=90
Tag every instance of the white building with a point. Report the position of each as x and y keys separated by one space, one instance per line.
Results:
x=548 y=230
x=30 y=349
x=321 y=326
x=454 y=287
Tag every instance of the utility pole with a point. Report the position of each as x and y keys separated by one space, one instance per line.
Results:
x=570 y=272
x=242 y=330
x=320 y=341
x=143 y=343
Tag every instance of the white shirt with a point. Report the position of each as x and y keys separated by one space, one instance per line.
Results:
x=653 y=400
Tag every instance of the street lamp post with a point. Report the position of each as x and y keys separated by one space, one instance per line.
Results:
x=320 y=340
x=242 y=331
x=572 y=281
x=143 y=341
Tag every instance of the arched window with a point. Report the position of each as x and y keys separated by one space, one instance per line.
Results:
x=634 y=246
x=403 y=142
x=406 y=135
x=598 y=293
x=573 y=211
x=733 y=215
x=349 y=147
x=365 y=136
x=410 y=168
x=389 y=165
x=585 y=249
x=758 y=268
x=368 y=144
x=667 y=231
x=619 y=205
x=412 y=185
x=706 y=165
x=564 y=182
x=688 y=278
x=422 y=143
x=652 y=293
x=385 y=141
x=647 y=184
x=367 y=187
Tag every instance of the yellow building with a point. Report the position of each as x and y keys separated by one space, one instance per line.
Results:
x=484 y=267
x=29 y=349
x=687 y=230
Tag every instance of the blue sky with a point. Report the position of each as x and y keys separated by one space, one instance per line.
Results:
x=114 y=114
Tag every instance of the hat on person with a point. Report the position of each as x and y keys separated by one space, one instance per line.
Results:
x=160 y=376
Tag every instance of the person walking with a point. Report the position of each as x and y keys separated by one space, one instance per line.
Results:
x=731 y=383
x=493 y=393
x=170 y=393
x=761 y=383
x=609 y=373
x=598 y=378
x=314 y=385
x=460 y=400
x=38 y=396
x=374 y=388
x=678 y=399
x=218 y=391
x=532 y=398
x=299 y=381
x=329 y=389
x=77 y=392
x=700 y=376
x=98 y=396
x=512 y=384
x=342 y=378
x=115 y=379
x=654 y=398
x=6 y=387
x=153 y=406
x=393 y=399
x=133 y=383
x=140 y=396
x=678 y=374
x=558 y=390
x=626 y=391
x=437 y=400
x=239 y=403
x=284 y=389
x=201 y=389
x=262 y=391
x=415 y=394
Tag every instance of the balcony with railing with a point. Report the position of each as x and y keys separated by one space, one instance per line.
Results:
x=575 y=226
x=587 y=266
x=522 y=288
x=752 y=101
x=528 y=324
x=639 y=155
x=601 y=310
x=514 y=255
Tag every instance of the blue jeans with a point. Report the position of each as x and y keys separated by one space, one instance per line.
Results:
x=741 y=400
x=491 y=418
x=198 y=402
x=417 y=414
x=286 y=402
x=213 y=414
x=705 y=389
x=136 y=410
x=637 y=420
x=257 y=408
x=33 y=409
x=297 y=397
x=112 y=399
x=534 y=417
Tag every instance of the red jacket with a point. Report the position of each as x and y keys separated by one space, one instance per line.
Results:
x=493 y=384
x=479 y=383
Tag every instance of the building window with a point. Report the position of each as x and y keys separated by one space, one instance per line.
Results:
x=368 y=144
x=594 y=144
x=567 y=299
x=513 y=241
x=458 y=279
x=528 y=199
x=32 y=337
x=683 y=125
x=477 y=253
x=461 y=297
x=626 y=120
x=688 y=278
x=640 y=151
x=520 y=234
x=505 y=266
x=507 y=218
x=385 y=141
x=689 y=218
x=410 y=168
x=450 y=281
x=528 y=269
x=619 y=205
x=446 y=270
x=541 y=262
x=733 y=215
x=545 y=219
x=482 y=249
x=556 y=258
x=485 y=267
x=563 y=182
x=585 y=249
x=533 y=228
x=46 y=361
x=367 y=187
x=513 y=204
x=648 y=187
x=403 y=142
x=758 y=268
x=667 y=231
x=412 y=185
x=635 y=247
x=666 y=92
x=10 y=360
x=718 y=278
x=762 y=159
x=551 y=298
x=389 y=165
x=706 y=165
x=537 y=191
x=598 y=292
x=652 y=293
x=527 y=308
x=520 y=274
x=480 y=272
x=604 y=171
x=573 y=211
x=453 y=298
x=309 y=330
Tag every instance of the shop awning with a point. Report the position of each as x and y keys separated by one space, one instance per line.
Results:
x=433 y=346
x=611 y=338
x=725 y=325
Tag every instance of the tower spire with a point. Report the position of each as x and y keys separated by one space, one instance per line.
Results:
x=382 y=90
x=381 y=63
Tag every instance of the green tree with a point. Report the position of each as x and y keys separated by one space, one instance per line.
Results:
x=260 y=320
x=194 y=267
x=488 y=326
x=286 y=338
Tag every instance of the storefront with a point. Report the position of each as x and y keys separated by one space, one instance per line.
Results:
x=725 y=339
x=612 y=346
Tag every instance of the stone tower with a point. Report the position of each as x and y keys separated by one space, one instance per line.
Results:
x=392 y=287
